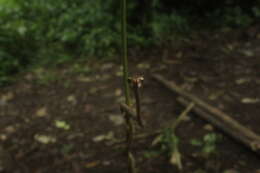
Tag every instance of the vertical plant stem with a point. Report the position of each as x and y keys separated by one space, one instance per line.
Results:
x=124 y=50
x=129 y=121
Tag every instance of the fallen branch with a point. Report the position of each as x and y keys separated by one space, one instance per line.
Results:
x=216 y=117
x=219 y=124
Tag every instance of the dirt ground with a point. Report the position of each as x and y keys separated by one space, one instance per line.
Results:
x=65 y=120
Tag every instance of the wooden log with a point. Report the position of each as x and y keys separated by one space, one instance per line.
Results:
x=220 y=125
x=216 y=117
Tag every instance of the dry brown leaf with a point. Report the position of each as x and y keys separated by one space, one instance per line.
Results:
x=179 y=54
x=208 y=127
x=92 y=164
x=231 y=171
x=119 y=73
x=230 y=47
x=118 y=92
x=42 y=112
x=44 y=139
x=10 y=129
x=258 y=37
x=93 y=90
x=72 y=99
x=248 y=53
x=242 y=81
x=88 y=108
x=107 y=66
x=176 y=159
x=157 y=140
x=100 y=138
x=106 y=163
x=6 y=98
x=105 y=77
x=187 y=86
x=117 y=119
x=84 y=79
x=215 y=95
x=143 y=66
x=250 y=100
x=120 y=99
x=3 y=137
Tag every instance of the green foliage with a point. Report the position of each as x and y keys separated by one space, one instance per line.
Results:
x=47 y=31
x=207 y=144
x=13 y=53
x=168 y=27
x=62 y=125
x=80 y=69
x=82 y=27
x=234 y=17
x=151 y=154
x=67 y=148
x=256 y=11
x=44 y=77
x=169 y=141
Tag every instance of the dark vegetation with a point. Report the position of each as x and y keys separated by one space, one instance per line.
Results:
x=61 y=83
x=36 y=32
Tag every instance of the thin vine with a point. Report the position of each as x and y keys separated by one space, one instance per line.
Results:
x=124 y=51
x=130 y=128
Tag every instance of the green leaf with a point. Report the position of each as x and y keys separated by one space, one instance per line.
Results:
x=62 y=125
x=210 y=138
x=67 y=148
x=209 y=149
x=151 y=154
x=45 y=139
x=196 y=142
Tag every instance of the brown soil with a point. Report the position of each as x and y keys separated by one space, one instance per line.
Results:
x=222 y=68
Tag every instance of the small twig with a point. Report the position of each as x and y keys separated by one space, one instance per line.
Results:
x=182 y=116
x=132 y=163
x=172 y=125
x=128 y=110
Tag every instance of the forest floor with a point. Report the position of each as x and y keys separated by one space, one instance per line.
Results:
x=64 y=120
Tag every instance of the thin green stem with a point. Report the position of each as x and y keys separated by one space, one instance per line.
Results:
x=124 y=50
x=129 y=121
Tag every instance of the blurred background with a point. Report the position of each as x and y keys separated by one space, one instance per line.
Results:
x=38 y=32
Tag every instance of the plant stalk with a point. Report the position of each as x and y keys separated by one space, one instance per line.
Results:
x=124 y=51
x=129 y=121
